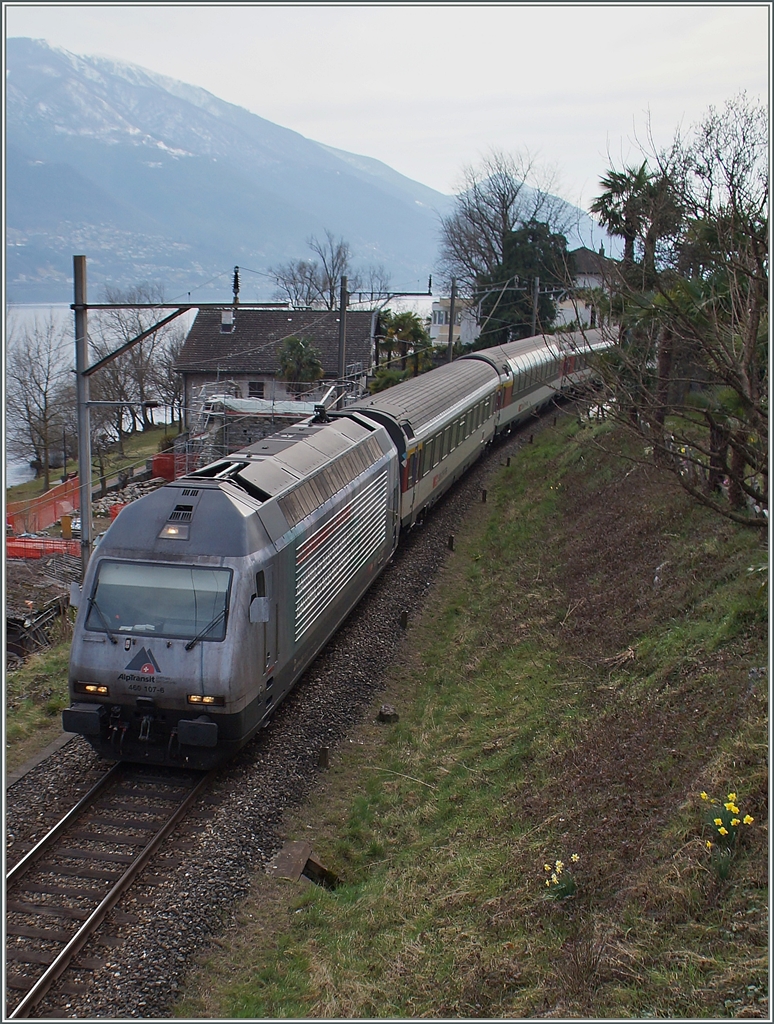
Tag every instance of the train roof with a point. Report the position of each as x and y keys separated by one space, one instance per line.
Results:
x=217 y=522
x=240 y=502
x=522 y=350
x=421 y=400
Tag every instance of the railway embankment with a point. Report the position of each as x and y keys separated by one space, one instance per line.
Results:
x=583 y=715
x=583 y=663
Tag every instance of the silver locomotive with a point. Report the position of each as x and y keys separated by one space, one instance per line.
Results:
x=207 y=599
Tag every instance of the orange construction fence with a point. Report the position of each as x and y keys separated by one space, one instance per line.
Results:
x=40 y=513
x=39 y=547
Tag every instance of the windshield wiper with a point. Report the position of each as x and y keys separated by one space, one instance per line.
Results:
x=93 y=604
x=206 y=629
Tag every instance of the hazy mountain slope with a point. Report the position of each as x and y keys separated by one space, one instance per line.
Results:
x=153 y=179
x=120 y=153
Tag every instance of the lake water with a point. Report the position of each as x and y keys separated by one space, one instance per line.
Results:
x=18 y=473
x=20 y=315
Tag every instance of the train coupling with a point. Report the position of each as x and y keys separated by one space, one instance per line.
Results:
x=148 y=710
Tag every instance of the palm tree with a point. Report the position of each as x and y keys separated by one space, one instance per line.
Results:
x=622 y=207
x=407 y=333
x=299 y=363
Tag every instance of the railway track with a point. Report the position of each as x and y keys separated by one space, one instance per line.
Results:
x=60 y=892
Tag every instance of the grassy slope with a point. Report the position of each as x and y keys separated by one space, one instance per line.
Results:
x=580 y=677
x=137 y=449
x=35 y=695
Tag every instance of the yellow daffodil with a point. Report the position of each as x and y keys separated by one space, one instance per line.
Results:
x=709 y=845
x=732 y=796
x=546 y=867
x=718 y=821
x=575 y=858
x=548 y=883
x=723 y=831
x=748 y=819
x=554 y=879
x=704 y=796
x=735 y=822
x=559 y=865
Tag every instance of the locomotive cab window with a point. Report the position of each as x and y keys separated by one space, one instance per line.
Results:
x=179 y=601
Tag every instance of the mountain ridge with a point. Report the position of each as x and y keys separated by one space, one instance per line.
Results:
x=158 y=180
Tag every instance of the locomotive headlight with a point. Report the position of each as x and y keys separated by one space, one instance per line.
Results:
x=93 y=689
x=175 y=531
x=209 y=699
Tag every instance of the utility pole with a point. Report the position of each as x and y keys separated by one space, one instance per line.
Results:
x=535 y=298
x=450 y=354
x=343 y=298
x=82 y=392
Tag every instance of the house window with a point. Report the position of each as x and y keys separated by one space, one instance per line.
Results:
x=227 y=321
x=255 y=388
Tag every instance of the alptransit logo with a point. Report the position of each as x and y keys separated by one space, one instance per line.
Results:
x=144 y=663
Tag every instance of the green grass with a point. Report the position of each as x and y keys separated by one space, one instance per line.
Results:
x=528 y=733
x=35 y=696
x=553 y=700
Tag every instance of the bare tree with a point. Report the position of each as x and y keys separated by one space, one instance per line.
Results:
x=168 y=382
x=132 y=377
x=691 y=373
x=316 y=283
x=502 y=194
x=334 y=264
x=372 y=284
x=297 y=282
x=36 y=375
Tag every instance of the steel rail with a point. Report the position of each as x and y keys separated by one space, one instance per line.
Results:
x=87 y=929
x=22 y=866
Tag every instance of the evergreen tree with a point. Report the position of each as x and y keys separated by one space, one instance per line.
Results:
x=507 y=297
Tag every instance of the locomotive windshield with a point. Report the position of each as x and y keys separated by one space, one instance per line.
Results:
x=180 y=601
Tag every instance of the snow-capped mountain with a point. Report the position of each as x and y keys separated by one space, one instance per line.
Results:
x=155 y=180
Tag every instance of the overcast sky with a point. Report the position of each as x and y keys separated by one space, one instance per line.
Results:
x=430 y=88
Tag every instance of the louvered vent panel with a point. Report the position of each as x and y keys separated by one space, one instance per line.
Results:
x=310 y=494
x=190 y=492
x=181 y=514
x=329 y=558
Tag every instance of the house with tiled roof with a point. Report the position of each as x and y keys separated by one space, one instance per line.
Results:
x=237 y=352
